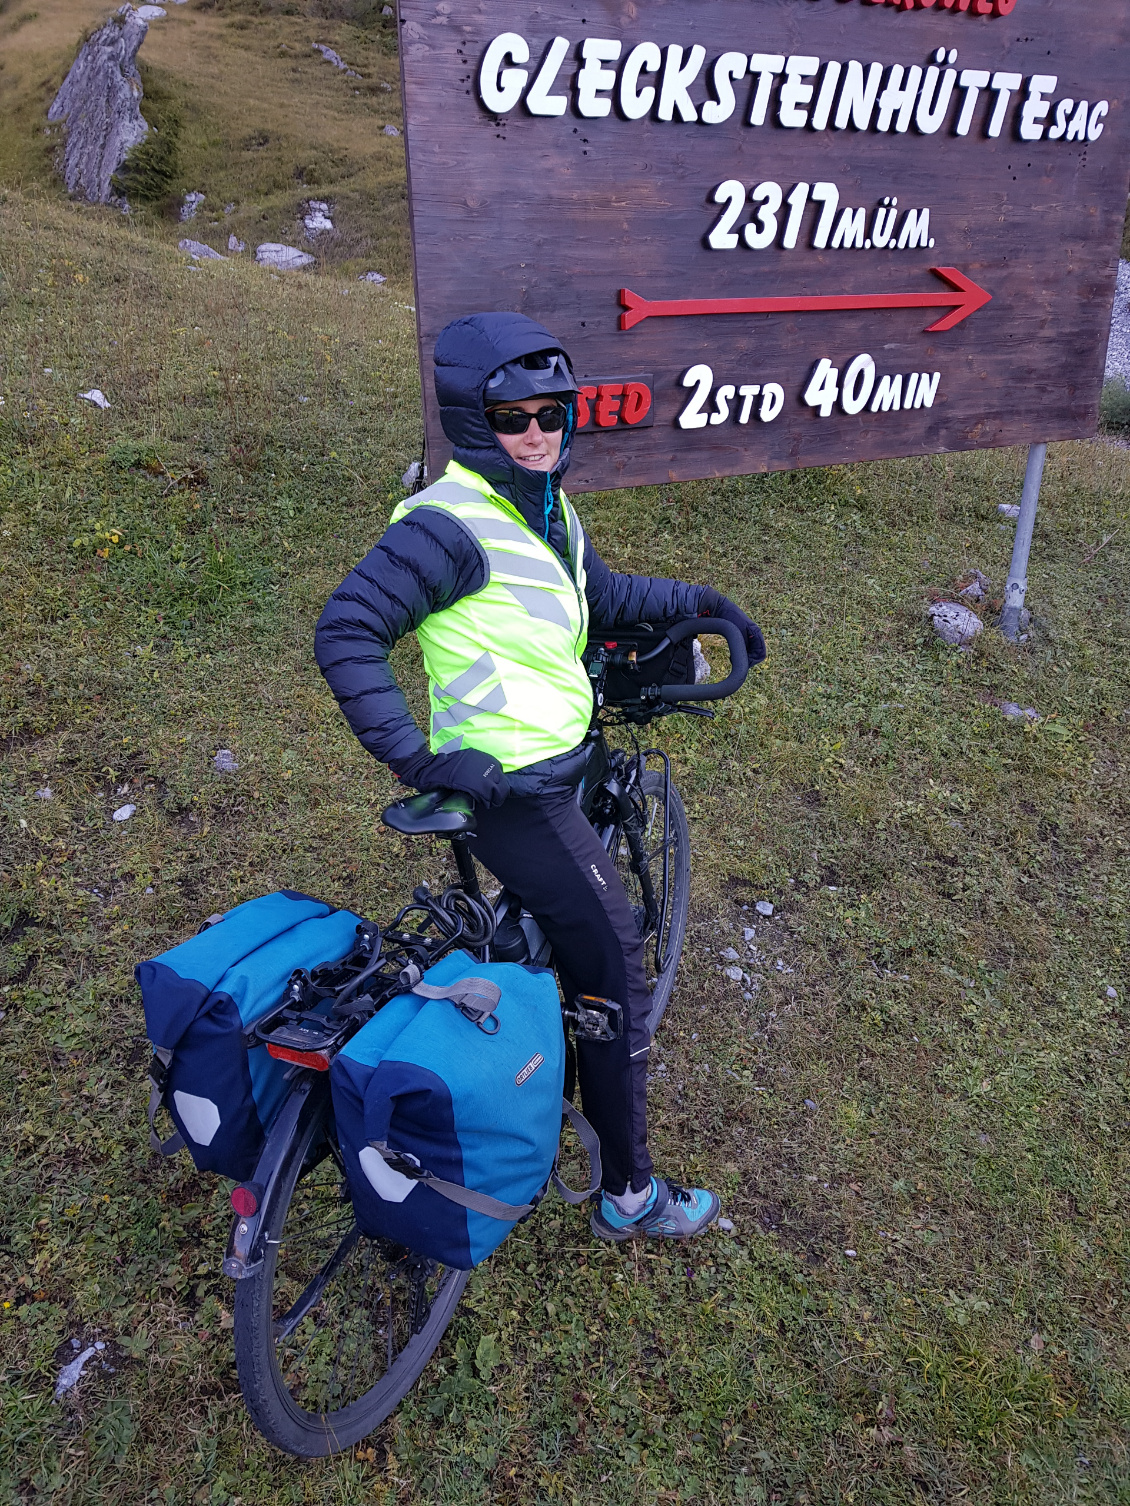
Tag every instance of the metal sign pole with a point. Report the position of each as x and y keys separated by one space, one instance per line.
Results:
x=1017 y=588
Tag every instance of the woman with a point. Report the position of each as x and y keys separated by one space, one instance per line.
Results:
x=491 y=568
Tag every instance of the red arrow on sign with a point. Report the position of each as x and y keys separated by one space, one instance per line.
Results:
x=964 y=299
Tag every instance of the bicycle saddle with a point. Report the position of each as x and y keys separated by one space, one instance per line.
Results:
x=435 y=813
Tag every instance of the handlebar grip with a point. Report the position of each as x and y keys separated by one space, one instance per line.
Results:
x=739 y=659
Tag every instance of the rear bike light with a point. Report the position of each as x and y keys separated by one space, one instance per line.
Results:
x=244 y=1201
x=317 y=1060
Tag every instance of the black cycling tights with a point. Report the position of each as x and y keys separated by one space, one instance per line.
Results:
x=544 y=849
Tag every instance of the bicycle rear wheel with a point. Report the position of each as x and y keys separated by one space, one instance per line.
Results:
x=669 y=864
x=334 y=1329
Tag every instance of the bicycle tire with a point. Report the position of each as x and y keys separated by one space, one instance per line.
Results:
x=675 y=870
x=290 y=1409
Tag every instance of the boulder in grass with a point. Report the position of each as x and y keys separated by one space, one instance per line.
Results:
x=285 y=258
x=955 y=624
x=100 y=100
x=199 y=250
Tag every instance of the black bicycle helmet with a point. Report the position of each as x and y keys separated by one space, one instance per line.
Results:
x=545 y=373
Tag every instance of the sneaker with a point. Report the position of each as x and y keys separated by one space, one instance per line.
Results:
x=670 y=1213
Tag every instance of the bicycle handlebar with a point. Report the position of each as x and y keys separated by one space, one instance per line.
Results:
x=739 y=659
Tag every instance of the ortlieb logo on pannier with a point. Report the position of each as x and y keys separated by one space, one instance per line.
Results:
x=448 y=1107
x=201 y=998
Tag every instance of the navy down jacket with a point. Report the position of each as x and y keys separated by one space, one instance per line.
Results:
x=427 y=561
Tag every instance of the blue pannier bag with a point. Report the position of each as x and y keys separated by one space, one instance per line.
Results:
x=202 y=996
x=448 y=1107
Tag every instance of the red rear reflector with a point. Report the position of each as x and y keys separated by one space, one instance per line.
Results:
x=610 y=645
x=244 y=1201
x=318 y=1060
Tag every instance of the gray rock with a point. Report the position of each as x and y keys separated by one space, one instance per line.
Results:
x=763 y=907
x=199 y=250
x=725 y=1225
x=733 y=973
x=1118 y=350
x=701 y=663
x=729 y=955
x=391 y=131
x=978 y=587
x=1015 y=713
x=955 y=624
x=95 y=396
x=332 y=57
x=1111 y=993
x=151 y=12
x=372 y=277
x=124 y=812
x=224 y=761
x=192 y=202
x=286 y=258
x=46 y=793
x=1009 y=510
x=413 y=474
x=100 y=100
x=748 y=933
x=235 y=244
x=317 y=218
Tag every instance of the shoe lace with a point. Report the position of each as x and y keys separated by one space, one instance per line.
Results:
x=679 y=1194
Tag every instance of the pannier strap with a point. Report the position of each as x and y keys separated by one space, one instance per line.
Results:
x=591 y=1145
x=477 y=998
x=477 y=1202
x=493 y=1207
x=158 y=1076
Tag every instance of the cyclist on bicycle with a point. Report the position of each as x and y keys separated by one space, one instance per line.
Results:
x=493 y=570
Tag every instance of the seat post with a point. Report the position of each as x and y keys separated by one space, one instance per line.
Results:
x=466 y=866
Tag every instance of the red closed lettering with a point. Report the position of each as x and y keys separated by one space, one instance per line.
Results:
x=585 y=395
x=608 y=396
x=637 y=401
x=1004 y=7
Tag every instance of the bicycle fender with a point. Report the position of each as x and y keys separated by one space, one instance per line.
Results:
x=246 y=1247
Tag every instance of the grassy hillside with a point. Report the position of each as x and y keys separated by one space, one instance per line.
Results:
x=245 y=111
x=918 y=1125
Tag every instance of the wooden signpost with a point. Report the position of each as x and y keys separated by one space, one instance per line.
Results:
x=777 y=233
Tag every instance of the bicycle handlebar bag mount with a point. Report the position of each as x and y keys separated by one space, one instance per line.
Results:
x=202 y=996
x=646 y=656
x=448 y=1108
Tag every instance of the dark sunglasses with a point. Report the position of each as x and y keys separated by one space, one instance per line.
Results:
x=551 y=419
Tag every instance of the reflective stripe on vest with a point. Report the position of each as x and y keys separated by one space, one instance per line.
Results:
x=503 y=664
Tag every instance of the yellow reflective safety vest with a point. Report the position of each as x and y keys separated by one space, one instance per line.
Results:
x=504 y=664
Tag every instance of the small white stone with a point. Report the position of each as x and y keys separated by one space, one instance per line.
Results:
x=151 y=12
x=149 y=889
x=95 y=396
x=726 y=1226
x=235 y=244
x=733 y=973
x=192 y=202
x=45 y=793
x=748 y=933
x=1008 y=509
x=124 y=812
x=850 y=1254
x=372 y=277
x=224 y=761
x=763 y=907
x=729 y=955
x=1112 y=993
x=391 y=130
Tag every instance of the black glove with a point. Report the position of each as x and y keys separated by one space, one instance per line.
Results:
x=476 y=774
x=754 y=639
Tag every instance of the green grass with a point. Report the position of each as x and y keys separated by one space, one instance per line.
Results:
x=951 y=893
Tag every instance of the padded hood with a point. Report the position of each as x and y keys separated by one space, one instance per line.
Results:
x=466 y=353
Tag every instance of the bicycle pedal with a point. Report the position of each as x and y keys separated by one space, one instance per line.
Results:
x=595 y=1019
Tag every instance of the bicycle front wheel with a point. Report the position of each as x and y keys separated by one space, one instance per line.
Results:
x=666 y=854
x=334 y=1328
